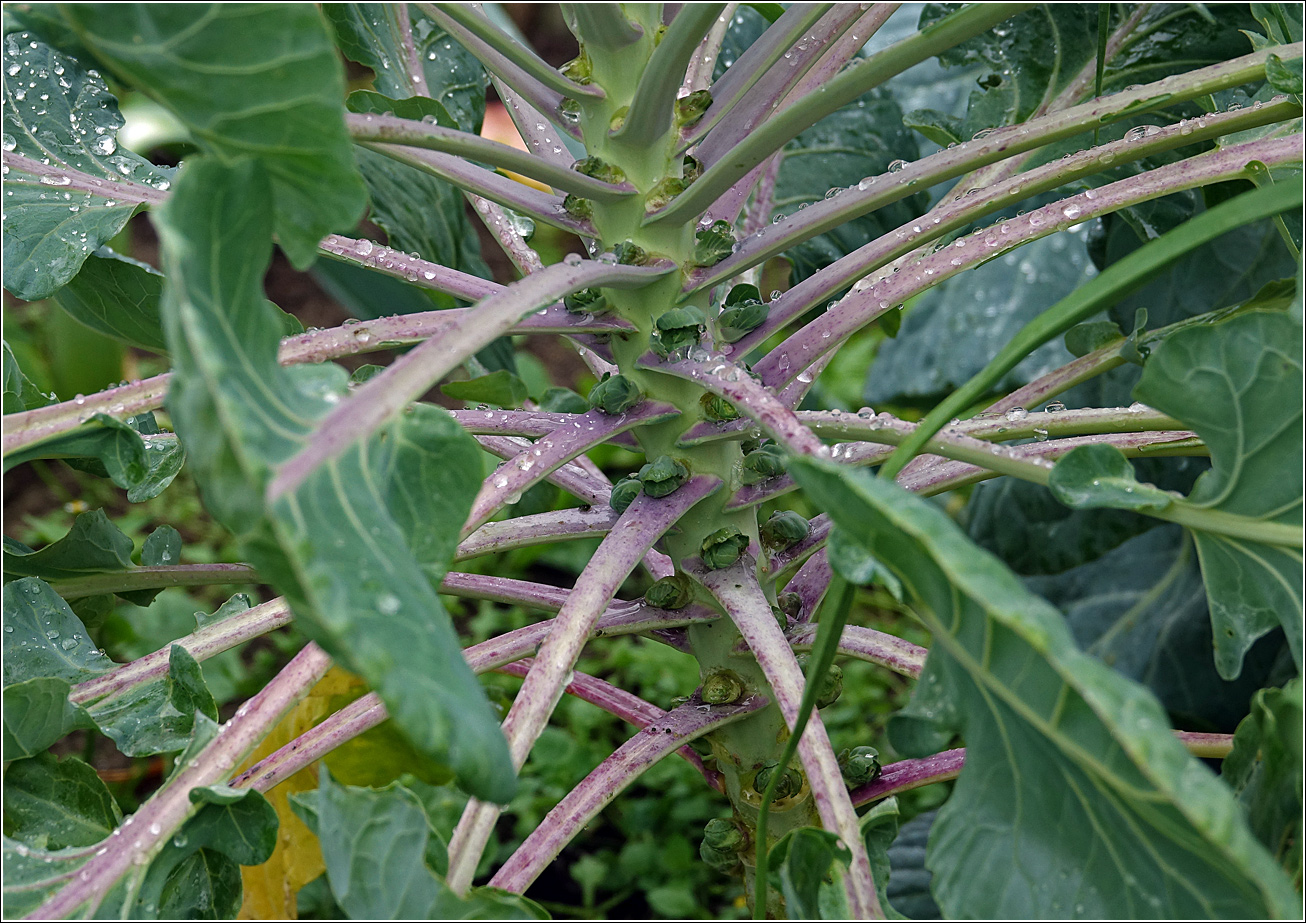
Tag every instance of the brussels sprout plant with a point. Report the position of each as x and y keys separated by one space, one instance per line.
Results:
x=1057 y=245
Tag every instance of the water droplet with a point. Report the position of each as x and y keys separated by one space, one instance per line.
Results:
x=1072 y=211
x=1016 y=414
x=1055 y=407
x=55 y=181
x=1138 y=407
x=572 y=259
x=387 y=604
x=363 y=247
x=897 y=166
x=104 y=145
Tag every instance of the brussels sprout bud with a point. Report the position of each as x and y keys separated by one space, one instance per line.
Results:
x=692 y=168
x=738 y=320
x=791 y=604
x=780 y=618
x=784 y=529
x=741 y=293
x=577 y=207
x=859 y=766
x=722 y=688
x=660 y=195
x=689 y=109
x=628 y=254
x=600 y=169
x=578 y=69
x=679 y=328
x=723 y=834
x=717 y=409
x=586 y=301
x=723 y=860
x=615 y=394
x=624 y=493
x=674 y=592
x=570 y=110
x=831 y=683
x=763 y=463
x=713 y=244
x=618 y=120
x=663 y=476
x=791 y=783
x=723 y=547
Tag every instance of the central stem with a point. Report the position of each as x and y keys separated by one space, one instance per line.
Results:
x=741 y=748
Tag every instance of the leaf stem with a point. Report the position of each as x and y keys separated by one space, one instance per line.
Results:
x=149 y=578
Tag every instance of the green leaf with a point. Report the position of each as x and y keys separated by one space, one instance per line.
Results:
x=112 y=443
x=52 y=803
x=1284 y=76
x=1282 y=22
x=246 y=81
x=20 y=394
x=197 y=875
x=1076 y=800
x=857 y=141
x=809 y=869
x=1238 y=386
x=952 y=330
x=32 y=875
x=1024 y=525
x=1265 y=770
x=157 y=716
x=356 y=548
x=1100 y=475
x=37 y=713
x=57 y=112
x=372 y=34
x=879 y=828
x=1026 y=61
x=939 y=127
x=43 y=638
x=908 y=890
x=501 y=387
x=1141 y=609
x=117 y=296
x=93 y=545
x=374 y=844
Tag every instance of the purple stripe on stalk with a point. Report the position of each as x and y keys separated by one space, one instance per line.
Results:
x=812 y=581
x=559 y=525
x=667 y=734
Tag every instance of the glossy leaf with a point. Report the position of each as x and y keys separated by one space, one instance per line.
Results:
x=32 y=874
x=1247 y=370
x=116 y=296
x=1100 y=475
x=1061 y=752
x=47 y=639
x=372 y=34
x=246 y=81
x=52 y=803
x=908 y=890
x=365 y=594
x=57 y=113
x=1265 y=770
